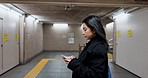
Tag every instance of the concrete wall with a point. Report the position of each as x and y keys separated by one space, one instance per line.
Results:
x=39 y=37
x=132 y=52
x=57 y=39
x=33 y=38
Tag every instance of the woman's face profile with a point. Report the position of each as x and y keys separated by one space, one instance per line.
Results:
x=87 y=32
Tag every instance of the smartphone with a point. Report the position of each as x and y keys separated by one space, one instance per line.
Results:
x=65 y=57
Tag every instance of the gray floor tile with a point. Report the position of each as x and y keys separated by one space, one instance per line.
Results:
x=57 y=68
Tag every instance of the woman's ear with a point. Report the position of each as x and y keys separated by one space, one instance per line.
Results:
x=93 y=31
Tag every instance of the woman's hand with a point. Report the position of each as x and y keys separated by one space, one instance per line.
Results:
x=67 y=60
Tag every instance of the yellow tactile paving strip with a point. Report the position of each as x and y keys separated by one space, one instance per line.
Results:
x=36 y=70
x=110 y=56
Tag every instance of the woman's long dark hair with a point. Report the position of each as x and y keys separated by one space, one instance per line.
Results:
x=94 y=23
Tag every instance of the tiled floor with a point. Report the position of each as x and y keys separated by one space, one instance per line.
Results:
x=57 y=68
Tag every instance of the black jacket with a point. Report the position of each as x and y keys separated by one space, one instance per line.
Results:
x=92 y=62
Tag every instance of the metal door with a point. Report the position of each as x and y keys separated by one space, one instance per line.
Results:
x=10 y=46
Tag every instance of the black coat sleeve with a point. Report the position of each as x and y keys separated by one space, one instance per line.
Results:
x=96 y=67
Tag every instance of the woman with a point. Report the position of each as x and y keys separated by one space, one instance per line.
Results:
x=93 y=60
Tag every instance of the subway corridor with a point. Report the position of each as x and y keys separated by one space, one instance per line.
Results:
x=56 y=68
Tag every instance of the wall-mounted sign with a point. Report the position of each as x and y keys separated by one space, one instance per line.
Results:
x=16 y=37
x=118 y=33
x=71 y=38
x=6 y=37
x=130 y=33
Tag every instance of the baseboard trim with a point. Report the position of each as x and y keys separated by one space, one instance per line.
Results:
x=29 y=59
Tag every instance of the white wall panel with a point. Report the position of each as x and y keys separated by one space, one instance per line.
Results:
x=132 y=52
x=10 y=50
x=1 y=46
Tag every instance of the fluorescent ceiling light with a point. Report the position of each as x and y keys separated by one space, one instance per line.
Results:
x=4 y=7
x=11 y=8
x=60 y=26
